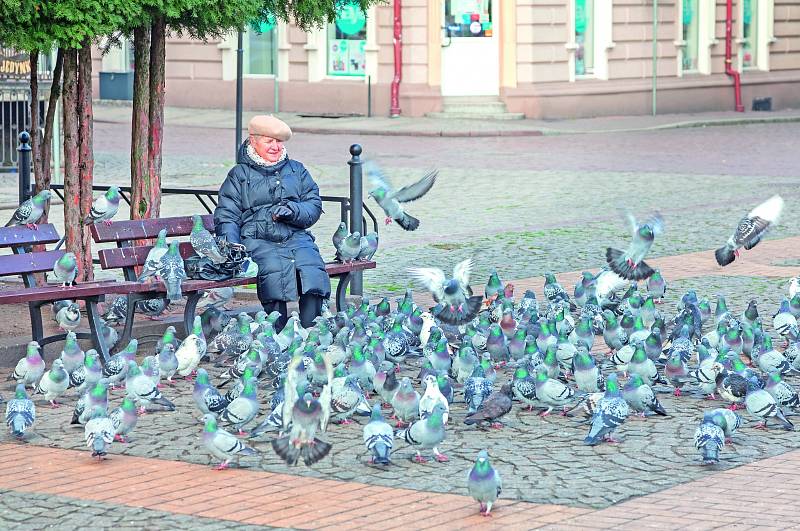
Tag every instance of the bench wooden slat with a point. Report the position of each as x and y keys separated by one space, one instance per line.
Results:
x=17 y=264
x=55 y=292
x=21 y=235
x=120 y=257
x=141 y=229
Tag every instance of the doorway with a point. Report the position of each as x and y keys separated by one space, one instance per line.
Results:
x=470 y=48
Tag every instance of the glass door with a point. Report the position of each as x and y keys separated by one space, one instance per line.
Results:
x=470 y=51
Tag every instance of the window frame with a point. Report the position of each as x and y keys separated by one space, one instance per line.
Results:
x=706 y=37
x=764 y=30
x=602 y=42
x=246 y=55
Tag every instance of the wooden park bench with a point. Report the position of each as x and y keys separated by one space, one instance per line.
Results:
x=25 y=263
x=128 y=255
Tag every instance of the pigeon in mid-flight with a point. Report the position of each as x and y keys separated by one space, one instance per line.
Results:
x=455 y=303
x=203 y=242
x=104 y=208
x=390 y=199
x=30 y=211
x=66 y=269
x=630 y=264
x=751 y=229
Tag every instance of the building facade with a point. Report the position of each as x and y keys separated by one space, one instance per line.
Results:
x=543 y=58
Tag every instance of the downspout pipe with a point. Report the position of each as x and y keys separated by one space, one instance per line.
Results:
x=737 y=82
x=397 y=40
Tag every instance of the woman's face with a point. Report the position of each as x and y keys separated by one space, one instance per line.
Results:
x=269 y=149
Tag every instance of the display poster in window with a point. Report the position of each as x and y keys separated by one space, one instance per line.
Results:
x=580 y=37
x=346 y=57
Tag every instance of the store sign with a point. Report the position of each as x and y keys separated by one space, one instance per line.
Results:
x=13 y=64
x=351 y=20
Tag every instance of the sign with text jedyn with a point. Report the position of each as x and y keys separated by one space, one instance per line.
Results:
x=14 y=64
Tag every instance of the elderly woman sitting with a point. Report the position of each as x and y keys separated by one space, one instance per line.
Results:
x=266 y=203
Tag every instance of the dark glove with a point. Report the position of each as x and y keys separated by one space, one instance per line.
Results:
x=281 y=212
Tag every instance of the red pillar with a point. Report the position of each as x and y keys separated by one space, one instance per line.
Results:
x=398 y=58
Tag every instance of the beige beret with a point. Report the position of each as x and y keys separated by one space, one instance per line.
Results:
x=270 y=126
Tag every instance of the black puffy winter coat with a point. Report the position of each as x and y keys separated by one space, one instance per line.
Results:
x=284 y=248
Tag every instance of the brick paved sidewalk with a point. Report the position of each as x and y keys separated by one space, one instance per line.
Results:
x=282 y=500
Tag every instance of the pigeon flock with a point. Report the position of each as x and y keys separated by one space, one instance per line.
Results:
x=606 y=351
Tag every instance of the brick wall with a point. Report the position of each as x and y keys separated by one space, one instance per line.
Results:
x=785 y=52
x=632 y=32
x=541 y=38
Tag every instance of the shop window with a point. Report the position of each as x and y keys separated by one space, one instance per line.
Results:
x=259 y=50
x=690 y=22
x=584 y=37
x=347 y=40
x=468 y=18
x=750 y=33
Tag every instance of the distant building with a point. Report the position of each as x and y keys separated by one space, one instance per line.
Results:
x=543 y=58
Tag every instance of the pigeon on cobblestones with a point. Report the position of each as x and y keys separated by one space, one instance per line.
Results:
x=641 y=397
x=483 y=483
x=390 y=199
x=552 y=393
x=709 y=438
x=222 y=444
x=496 y=406
x=53 y=383
x=20 y=412
x=116 y=368
x=405 y=403
x=244 y=408
x=762 y=405
x=206 y=396
x=29 y=369
x=30 y=211
x=66 y=269
x=426 y=434
x=88 y=374
x=95 y=396
x=455 y=303
x=191 y=350
x=431 y=398
x=630 y=264
x=123 y=419
x=378 y=437
x=144 y=390
x=99 y=432
x=751 y=229
x=611 y=412
x=72 y=356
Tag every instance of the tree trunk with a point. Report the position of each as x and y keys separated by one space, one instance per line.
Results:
x=43 y=179
x=140 y=190
x=34 y=130
x=86 y=155
x=156 y=126
x=72 y=191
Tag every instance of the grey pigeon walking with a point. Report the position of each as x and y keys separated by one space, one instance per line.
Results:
x=484 y=483
x=123 y=419
x=20 y=412
x=763 y=405
x=30 y=211
x=630 y=264
x=455 y=303
x=751 y=229
x=143 y=390
x=709 y=438
x=54 y=383
x=29 y=369
x=206 y=396
x=378 y=437
x=426 y=434
x=66 y=269
x=610 y=414
x=104 y=208
x=390 y=199
x=203 y=242
x=222 y=444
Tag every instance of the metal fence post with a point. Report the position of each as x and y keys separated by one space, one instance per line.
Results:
x=356 y=208
x=24 y=166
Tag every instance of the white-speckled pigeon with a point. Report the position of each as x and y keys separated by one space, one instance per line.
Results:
x=751 y=229
x=30 y=211
x=203 y=242
x=123 y=419
x=610 y=414
x=98 y=432
x=152 y=264
x=20 y=412
x=172 y=272
x=378 y=437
